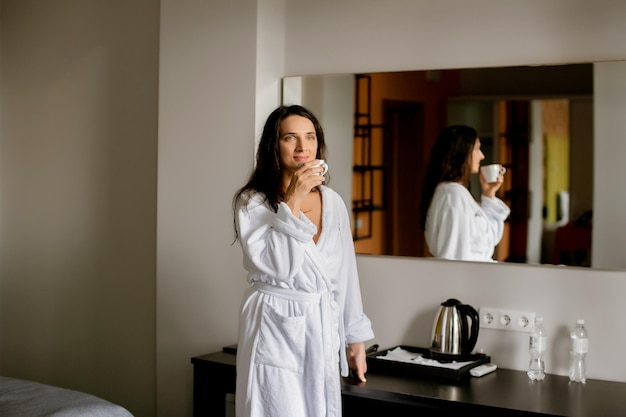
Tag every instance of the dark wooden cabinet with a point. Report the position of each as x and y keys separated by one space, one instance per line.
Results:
x=502 y=393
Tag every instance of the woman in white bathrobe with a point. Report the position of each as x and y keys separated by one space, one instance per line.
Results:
x=457 y=226
x=302 y=322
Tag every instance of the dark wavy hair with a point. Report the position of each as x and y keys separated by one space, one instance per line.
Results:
x=266 y=178
x=450 y=161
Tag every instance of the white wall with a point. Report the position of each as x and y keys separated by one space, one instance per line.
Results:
x=78 y=133
x=402 y=296
x=350 y=36
x=207 y=105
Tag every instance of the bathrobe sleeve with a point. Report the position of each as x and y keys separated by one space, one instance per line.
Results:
x=273 y=243
x=358 y=327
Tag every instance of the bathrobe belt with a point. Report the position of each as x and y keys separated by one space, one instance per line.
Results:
x=328 y=305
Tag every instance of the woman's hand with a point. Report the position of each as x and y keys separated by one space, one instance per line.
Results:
x=302 y=181
x=490 y=188
x=356 y=360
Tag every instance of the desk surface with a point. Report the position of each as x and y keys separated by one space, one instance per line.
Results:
x=501 y=391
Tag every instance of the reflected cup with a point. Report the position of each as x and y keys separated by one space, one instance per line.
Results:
x=492 y=172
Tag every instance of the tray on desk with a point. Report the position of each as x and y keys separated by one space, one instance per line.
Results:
x=376 y=364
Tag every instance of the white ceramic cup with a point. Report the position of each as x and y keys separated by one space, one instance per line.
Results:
x=492 y=172
x=324 y=165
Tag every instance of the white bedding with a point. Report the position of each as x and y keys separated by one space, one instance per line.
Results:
x=20 y=398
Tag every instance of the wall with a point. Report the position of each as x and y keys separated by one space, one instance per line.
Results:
x=209 y=93
x=351 y=36
x=402 y=295
x=78 y=184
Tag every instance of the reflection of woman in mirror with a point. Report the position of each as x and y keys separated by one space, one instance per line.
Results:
x=303 y=310
x=456 y=225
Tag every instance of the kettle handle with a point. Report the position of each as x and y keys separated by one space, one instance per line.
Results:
x=468 y=344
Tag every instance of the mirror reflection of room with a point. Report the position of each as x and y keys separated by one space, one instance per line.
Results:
x=536 y=121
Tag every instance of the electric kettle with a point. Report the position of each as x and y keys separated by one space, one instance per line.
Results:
x=455 y=331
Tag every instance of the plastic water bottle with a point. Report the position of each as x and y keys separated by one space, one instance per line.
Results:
x=537 y=349
x=579 y=346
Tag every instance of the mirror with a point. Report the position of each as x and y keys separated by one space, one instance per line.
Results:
x=535 y=120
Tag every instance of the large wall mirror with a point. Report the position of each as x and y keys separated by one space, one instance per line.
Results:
x=535 y=120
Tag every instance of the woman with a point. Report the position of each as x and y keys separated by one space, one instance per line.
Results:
x=304 y=304
x=455 y=225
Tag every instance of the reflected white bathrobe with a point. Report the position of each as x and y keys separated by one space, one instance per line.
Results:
x=457 y=227
x=303 y=306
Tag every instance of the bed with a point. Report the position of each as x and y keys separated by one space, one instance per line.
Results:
x=21 y=398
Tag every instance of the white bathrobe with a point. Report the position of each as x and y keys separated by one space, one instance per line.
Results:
x=303 y=306
x=457 y=227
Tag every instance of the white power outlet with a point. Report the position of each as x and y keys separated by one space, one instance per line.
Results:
x=505 y=319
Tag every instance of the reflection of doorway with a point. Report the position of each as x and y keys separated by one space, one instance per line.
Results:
x=404 y=163
x=514 y=152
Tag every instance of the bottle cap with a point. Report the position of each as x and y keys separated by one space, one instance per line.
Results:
x=580 y=321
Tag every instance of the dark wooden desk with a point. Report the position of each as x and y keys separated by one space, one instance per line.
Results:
x=504 y=392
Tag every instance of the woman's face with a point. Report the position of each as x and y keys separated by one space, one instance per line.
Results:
x=297 y=142
x=477 y=156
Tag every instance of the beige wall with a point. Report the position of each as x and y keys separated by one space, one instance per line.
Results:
x=78 y=196
x=77 y=251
